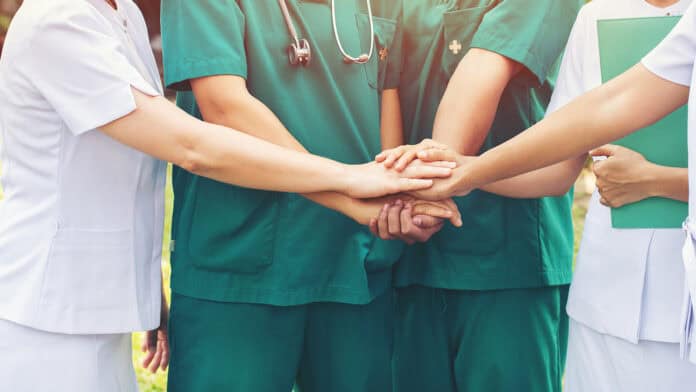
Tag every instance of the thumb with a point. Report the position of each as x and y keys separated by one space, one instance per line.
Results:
x=605 y=151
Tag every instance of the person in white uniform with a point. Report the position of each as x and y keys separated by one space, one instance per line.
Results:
x=85 y=134
x=625 y=301
x=641 y=96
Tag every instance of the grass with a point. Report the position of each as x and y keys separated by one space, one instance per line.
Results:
x=157 y=382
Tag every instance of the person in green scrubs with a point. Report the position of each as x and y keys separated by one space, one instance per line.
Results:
x=276 y=289
x=482 y=308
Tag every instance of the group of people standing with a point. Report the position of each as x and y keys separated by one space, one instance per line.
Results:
x=404 y=267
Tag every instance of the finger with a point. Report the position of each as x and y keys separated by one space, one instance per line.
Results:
x=426 y=221
x=393 y=155
x=406 y=220
x=604 y=151
x=383 y=223
x=382 y=156
x=432 y=210
x=430 y=143
x=456 y=218
x=373 y=227
x=449 y=164
x=412 y=184
x=155 y=361
x=164 y=362
x=434 y=154
x=163 y=349
x=393 y=218
x=405 y=160
x=605 y=202
x=597 y=168
x=427 y=171
x=147 y=360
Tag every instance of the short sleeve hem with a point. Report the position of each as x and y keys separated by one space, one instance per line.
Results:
x=178 y=76
x=112 y=104
x=500 y=45
x=653 y=65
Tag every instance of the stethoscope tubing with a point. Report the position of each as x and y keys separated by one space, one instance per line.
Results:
x=362 y=59
x=300 y=50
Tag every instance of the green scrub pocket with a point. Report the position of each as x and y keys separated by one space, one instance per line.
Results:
x=484 y=226
x=459 y=29
x=229 y=228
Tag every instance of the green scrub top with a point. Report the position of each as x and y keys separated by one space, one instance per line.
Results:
x=241 y=245
x=505 y=243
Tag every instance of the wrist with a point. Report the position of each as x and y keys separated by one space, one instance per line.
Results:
x=355 y=209
x=344 y=177
x=652 y=178
x=461 y=181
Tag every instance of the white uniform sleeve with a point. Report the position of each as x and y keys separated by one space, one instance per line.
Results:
x=79 y=66
x=569 y=84
x=673 y=58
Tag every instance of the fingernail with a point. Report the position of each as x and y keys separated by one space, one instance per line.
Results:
x=418 y=221
x=399 y=203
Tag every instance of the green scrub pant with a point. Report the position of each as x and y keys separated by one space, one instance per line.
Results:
x=322 y=347
x=480 y=341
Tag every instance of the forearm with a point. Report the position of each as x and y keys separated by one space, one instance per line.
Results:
x=216 y=152
x=392 y=129
x=554 y=180
x=596 y=118
x=470 y=103
x=252 y=117
x=669 y=182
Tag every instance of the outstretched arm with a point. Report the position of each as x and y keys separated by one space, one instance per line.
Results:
x=233 y=157
x=604 y=114
x=225 y=100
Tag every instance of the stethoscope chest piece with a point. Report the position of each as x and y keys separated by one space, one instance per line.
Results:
x=300 y=53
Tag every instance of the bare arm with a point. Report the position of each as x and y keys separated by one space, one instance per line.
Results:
x=392 y=129
x=232 y=157
x=468 y=108
x=225 y=100
x=624 y=105
x=554 y=180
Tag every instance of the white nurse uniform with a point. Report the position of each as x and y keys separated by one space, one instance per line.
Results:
x=81 y=222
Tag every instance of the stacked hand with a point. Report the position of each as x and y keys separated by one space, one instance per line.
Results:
x=418 y=215
x=427 y=152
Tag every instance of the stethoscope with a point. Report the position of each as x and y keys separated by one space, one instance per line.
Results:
x=300 y=51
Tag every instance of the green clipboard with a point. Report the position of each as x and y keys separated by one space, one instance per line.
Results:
x=622 y=44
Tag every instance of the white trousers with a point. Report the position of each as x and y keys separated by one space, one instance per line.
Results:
x=38 y=361
x=604 y=363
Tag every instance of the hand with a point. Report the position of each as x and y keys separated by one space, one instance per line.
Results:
x=413 y=220
x=156 y=344
x=400 y=157
x=372 y=179
x=624 y=177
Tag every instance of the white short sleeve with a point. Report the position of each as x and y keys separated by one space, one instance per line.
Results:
x=569 y=84
x=79 y=66
x=673 y=58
